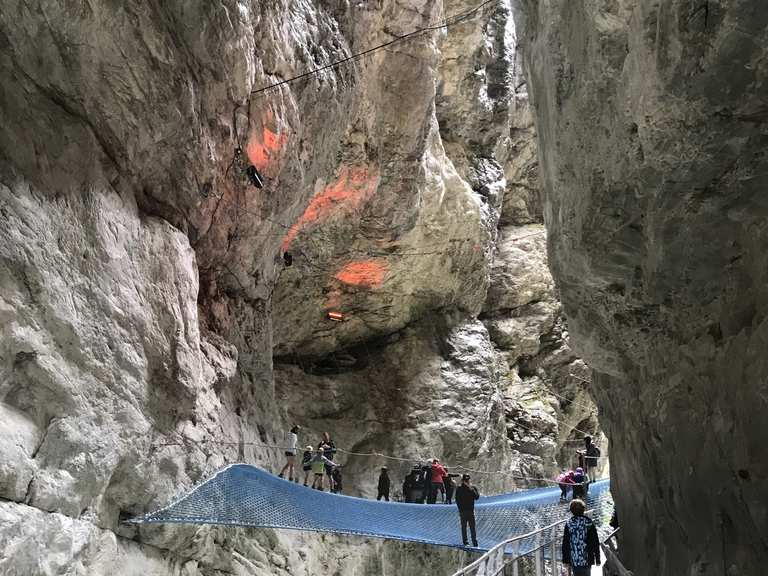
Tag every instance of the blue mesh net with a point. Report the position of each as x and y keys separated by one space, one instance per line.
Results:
x=243 y=495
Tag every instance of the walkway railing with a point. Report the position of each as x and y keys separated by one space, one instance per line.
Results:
x=507 y=554
x=612 y=566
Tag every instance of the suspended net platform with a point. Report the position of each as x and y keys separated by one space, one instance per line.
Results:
x=243 y=495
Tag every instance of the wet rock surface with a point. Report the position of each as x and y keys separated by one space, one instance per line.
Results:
x=652 y=137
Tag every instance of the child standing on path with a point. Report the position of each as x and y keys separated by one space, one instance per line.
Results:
x=319 y=464
x=581 y=546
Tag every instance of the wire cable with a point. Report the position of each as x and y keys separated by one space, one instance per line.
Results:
x=446 y=23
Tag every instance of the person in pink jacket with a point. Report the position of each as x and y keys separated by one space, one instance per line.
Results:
x=565 y=481
x=438 y=476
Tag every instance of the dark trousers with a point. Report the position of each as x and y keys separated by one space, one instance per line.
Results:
x=435 y=488
x=582 y=571
x=468 y=517
x=384 y=495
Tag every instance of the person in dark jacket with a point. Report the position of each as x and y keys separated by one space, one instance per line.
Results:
x=450 y=486
x=336 y=477
x=384 y=485
x=589 y=457
x=329 y=451
x=466 y=494
x=581 y=547
x=580 y=484
x=425 y=483
x=306 y=463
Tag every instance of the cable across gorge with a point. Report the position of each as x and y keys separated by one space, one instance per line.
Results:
x=243 y=495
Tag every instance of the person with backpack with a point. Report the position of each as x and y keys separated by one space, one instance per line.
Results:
x=437 y=474
x=589 y=457
x=290 y=453
x=581 y=546
x=466 y=494
x=383 y=487
x=306 y=463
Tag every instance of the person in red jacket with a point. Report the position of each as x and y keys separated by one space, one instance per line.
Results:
x=438 y=476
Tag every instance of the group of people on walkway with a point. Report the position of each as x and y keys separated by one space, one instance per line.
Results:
x=430 y=480
x=315 y=461
x=577 y=481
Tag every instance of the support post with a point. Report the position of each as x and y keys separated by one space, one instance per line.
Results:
x=553 y=556
x=516 y=558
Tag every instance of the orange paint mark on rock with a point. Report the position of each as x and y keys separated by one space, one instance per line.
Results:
x=364 y=273
x=263 y=150
x=354 y=185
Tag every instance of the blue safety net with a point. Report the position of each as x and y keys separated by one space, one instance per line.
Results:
x=243 y=495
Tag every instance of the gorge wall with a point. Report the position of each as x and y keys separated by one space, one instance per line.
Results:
x=652 y=125
x=161 y=317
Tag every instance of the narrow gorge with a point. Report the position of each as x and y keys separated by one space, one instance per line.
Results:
x=221 y=219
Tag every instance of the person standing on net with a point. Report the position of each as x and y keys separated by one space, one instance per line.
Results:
x=290 y=454
x=437 y=474
x=589 y=457
x=383 y=484
x=581 y=546
x=466 y=494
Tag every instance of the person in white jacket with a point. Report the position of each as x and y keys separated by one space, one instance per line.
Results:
x=290 y=454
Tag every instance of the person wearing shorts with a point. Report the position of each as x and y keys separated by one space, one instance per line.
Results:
x=290 y=454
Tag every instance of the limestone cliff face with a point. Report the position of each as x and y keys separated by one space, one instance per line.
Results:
x=161 y=317
x=651 y=118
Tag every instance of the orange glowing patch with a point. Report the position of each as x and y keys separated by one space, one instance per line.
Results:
x=262 y=151
x=365 y=273
x=354 y=185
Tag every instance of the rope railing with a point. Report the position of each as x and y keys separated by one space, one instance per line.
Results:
x=454 y=466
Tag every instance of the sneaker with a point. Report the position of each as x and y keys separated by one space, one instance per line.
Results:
x=474 y=544
x=466 y=543
x=280 y=475
x=290 y=479
x=304 y=483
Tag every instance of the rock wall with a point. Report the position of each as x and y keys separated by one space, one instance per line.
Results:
x=162 y=317
x=651 y=117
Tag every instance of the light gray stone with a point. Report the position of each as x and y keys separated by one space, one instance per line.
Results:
x=651 y=119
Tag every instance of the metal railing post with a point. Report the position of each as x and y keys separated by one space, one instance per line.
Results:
x=516 y=556
x=553 y=556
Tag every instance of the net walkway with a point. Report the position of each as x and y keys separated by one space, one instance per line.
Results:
x=243 y=495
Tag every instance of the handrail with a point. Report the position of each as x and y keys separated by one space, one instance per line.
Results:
x=502 y=545
x=611 y=535
x=498 y=550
